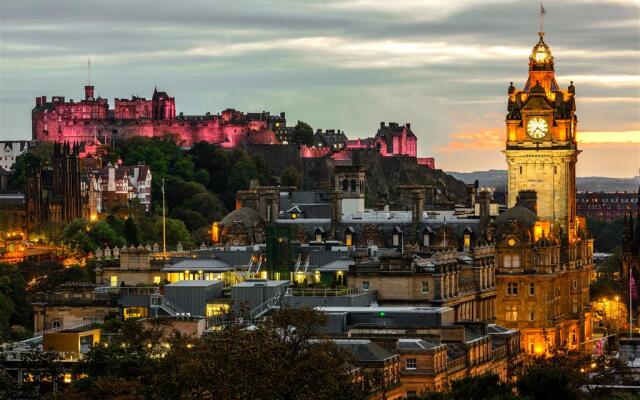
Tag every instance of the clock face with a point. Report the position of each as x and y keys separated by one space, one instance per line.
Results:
x=537 y=127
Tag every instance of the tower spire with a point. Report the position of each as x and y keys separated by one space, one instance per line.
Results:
x=542 y=13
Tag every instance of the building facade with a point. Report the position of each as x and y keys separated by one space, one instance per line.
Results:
x=91 y=121
x=10 y=150
x=606 y=205
x=544 y=254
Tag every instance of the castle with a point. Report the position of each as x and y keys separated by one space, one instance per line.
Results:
x=90 y=122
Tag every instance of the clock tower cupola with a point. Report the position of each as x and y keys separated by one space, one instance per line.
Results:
x=541 y=147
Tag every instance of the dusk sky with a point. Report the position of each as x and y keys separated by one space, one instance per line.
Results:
x=443 y=65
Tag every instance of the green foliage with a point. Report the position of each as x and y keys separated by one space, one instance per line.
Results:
x=85 y=237
x=15 y=307
x=303 y=134
x=131 y=232
x=177 y=232
x=291 y=177
x=607 y=234
x=275 y=361
x=555 y=378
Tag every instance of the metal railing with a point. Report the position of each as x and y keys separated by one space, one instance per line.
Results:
x=159 y=301
x=128 y=290
x=272 y=303
x=316 y=292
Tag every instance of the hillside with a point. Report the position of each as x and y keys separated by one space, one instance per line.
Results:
x=383 y=174
x=498 y=179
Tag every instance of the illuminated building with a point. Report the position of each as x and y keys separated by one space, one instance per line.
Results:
x=630 y=258
x=543 y=251
x=91 y=121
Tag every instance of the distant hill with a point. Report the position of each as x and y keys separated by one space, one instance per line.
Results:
x=497 y=178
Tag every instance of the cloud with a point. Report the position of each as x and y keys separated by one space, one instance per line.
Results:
x=442 y=65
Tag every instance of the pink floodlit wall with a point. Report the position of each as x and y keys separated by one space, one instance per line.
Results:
x=342 y=155
x=314 y=152
x=427 y=162
x=90 y=121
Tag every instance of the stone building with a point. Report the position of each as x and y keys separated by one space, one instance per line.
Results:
x=90 y=121
x=607 y=206
x=72 y=304
x=544 y=255
x=630 y=258
x=55 y=193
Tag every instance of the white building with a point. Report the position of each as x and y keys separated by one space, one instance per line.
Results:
x=10 y=150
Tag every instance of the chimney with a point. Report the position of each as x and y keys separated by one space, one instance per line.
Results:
x=528 y=199
x=282 y=114
x=408 y=125
x=382 y=124
x=38 y=101
x=484 y=201
x=336 y=212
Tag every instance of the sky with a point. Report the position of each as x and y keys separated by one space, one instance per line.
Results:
x=442 y=65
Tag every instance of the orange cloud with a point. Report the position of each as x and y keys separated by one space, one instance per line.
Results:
x=490 y=139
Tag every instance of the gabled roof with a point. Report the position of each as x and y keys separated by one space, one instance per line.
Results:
x=365 y=350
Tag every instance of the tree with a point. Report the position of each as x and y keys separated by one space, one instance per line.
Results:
x=278 y=360
x=291 y=177
x=177 y=232
x=84 y=237
x=15 y=307
x=554 y=378
x=131 y=232
x=303 y=134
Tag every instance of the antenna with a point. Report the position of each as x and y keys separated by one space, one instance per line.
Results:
x=89 y=72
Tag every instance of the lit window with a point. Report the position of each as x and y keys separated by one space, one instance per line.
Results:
x=318 y=237
x=348 y=239
x=467 y=240
x=411 y=363
x=294 y=215
x=511 y=312
x=156 y=280
x=574 y=305
x=114 y=280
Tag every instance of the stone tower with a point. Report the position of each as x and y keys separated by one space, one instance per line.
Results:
x=541 y=147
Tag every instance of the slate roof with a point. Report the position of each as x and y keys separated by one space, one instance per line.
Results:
x=365 y=350
x=197 y=264
x=416 y=344
x=341 y=264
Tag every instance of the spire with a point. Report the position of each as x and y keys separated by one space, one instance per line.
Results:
x=542 y=13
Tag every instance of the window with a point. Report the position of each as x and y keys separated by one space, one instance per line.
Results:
x=318 y=237
x=411 y=363
x=396 y=239
x=575 y=283
x=348 y=239
x=532 y=289
x=425 y=287
x=365 y=285
x=156 y=280
x=56 y=324
x=574 y=305
x=114 y=280
x=512 y=288
x=511 y=261
x=467 y=240
x=521 y=169
x=532 y=313
x=425 y=239
x=511 y=312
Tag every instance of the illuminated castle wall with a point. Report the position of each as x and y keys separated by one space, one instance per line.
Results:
x=90 y=120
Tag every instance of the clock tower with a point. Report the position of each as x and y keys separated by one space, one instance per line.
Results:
x=541 y=147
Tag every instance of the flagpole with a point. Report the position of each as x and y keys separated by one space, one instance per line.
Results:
x=630 y=304
x=542 y=12
x=164 y=224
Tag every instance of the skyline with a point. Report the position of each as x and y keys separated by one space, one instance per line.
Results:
x=342 y=64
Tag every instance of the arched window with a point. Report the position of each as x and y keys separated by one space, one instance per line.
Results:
x=345 y=185
x=56 y=324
